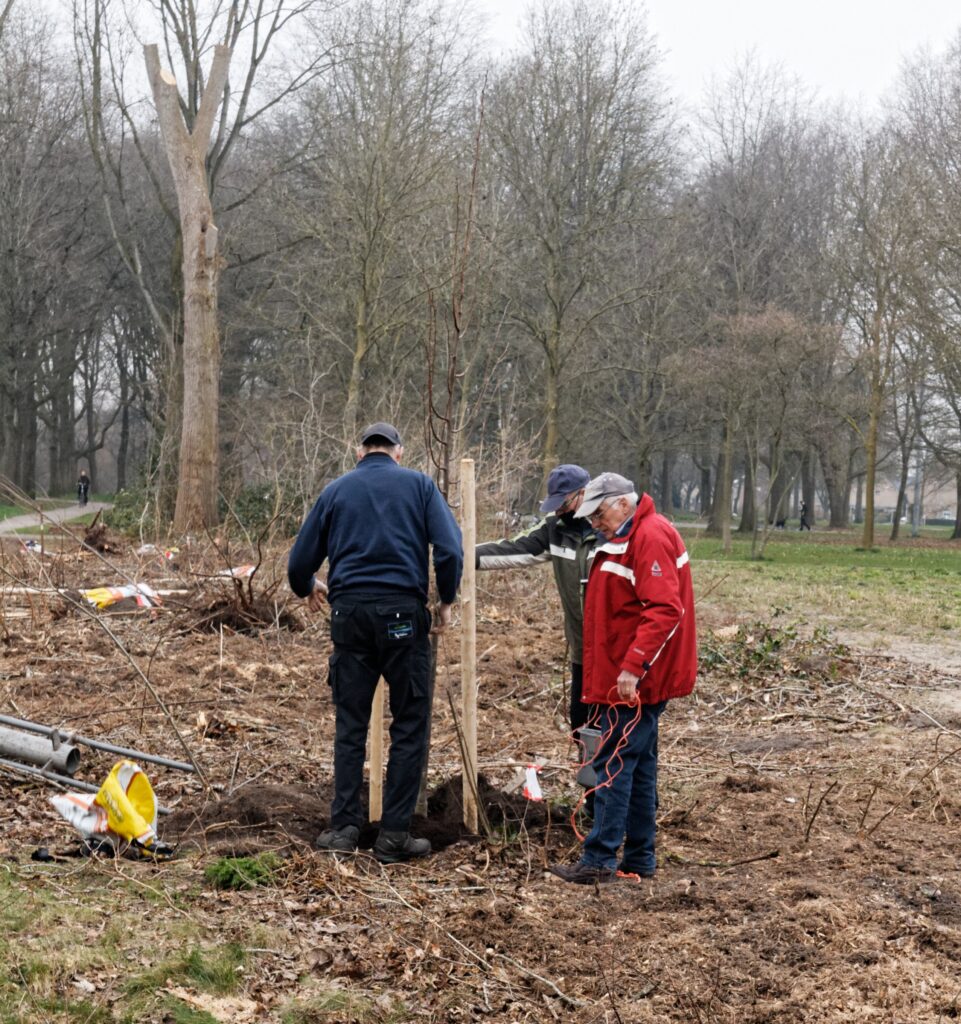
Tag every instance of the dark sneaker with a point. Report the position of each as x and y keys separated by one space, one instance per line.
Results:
x=583 y=874
x=393 y=847
x=339 y=840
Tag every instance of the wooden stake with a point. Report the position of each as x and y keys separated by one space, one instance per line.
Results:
x=376 y=801
x=468 y=644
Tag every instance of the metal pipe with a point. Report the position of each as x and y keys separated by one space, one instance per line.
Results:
x=61 y=780
x=139 y=755
x=44 y=751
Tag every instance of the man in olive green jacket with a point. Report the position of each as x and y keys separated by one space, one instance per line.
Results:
x=569 y=545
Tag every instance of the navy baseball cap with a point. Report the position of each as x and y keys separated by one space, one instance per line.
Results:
x=563 y=480
x=381 y=431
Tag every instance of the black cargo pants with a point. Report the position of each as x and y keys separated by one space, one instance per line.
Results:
x=378 y=635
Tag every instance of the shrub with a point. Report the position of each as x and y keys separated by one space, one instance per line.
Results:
x=255 y=507
x=133 y=511
x=243 y=872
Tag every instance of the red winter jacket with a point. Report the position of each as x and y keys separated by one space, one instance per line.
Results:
x=639 y=613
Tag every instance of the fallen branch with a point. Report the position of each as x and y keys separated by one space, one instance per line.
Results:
x=678 y=859
x=570 y=1000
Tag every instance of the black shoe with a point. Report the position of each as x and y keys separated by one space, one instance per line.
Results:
x=339 y=840
x=393 y=847
x=583 y=874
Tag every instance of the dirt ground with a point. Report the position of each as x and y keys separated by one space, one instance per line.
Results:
x=809 y=816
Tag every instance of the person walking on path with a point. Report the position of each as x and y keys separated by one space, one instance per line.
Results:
x=83 y=487
x=805 y=524
x=568 y=543
x=374 y=526
x=640 y=650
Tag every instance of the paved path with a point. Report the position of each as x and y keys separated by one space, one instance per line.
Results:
x=55 y=515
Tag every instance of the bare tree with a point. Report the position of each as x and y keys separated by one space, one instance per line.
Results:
x=580 y=138
x=882 y=243
x=5 y=14
x=766 y=216
x=927 y=120
x=52 y=280
x=186 y=151
x=212 y=119
x=370 y=192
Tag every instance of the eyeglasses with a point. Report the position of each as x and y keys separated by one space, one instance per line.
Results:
x=599 y=511
x=568 y=502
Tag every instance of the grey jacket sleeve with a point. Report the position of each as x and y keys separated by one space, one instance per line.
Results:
x=528 y=548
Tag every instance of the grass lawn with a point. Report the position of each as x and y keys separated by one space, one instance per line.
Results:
x=7 y=511
x=51 y=529
x=911 y=588
x=67 y=958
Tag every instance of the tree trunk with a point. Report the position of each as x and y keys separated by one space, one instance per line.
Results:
x=361 y=347
x=704 y=491
x=837 y=483
x=780 y=489
x=27 y=438
x=720 y=523
x=168 y=455
x=551 y=404
x=871 y=468
x=123 y=443
x=809 y=484
x=917 y=512
x=749 y=508
x=714 y=513
x=196 y=507
x=956 y=532
x=90 y=422
x=902 y=493
x=7 y=428
x=667 y=486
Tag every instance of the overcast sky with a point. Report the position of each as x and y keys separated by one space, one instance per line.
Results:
x=848 y=49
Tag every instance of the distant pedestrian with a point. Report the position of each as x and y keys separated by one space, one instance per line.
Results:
x=805 y=525
x=83 y=487
x=375 y=525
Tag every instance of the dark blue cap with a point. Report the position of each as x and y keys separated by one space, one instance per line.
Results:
x=380 y=432
x=564 y=480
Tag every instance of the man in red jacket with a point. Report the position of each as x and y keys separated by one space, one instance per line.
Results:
x=640 y=650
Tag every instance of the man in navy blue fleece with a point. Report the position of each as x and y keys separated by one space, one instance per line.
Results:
x=374 y=526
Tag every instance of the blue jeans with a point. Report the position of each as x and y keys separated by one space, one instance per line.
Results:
x=625 y=802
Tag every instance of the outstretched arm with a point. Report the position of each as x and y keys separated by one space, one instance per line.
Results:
x=529 y=547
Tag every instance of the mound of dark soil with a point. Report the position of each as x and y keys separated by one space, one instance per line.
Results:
x=280 y=816
x=507 y=812
x=251 y=819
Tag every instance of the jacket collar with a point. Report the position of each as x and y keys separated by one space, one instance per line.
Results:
x=645 y=508
x=374 y=459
